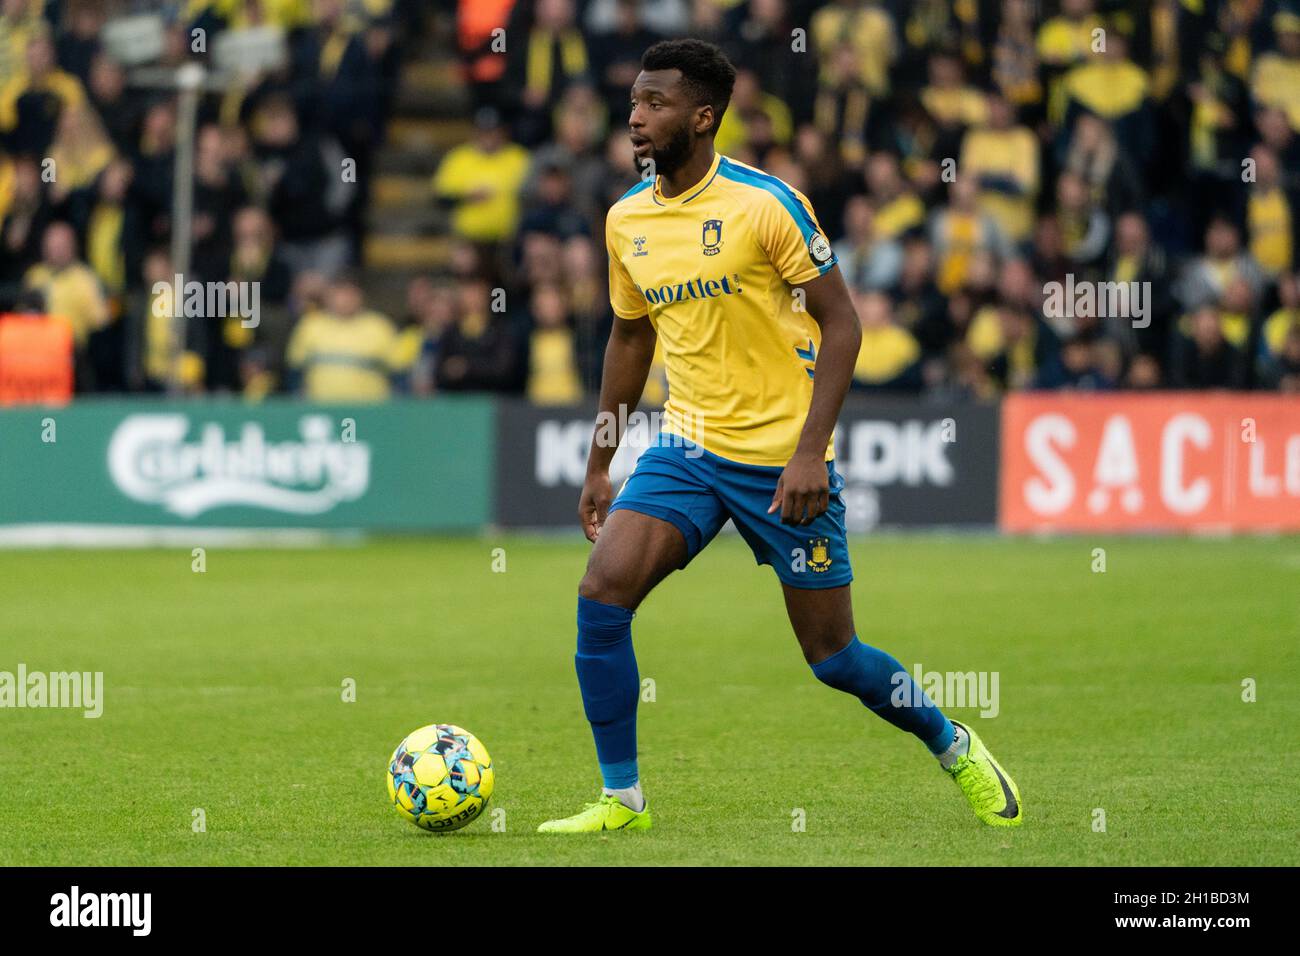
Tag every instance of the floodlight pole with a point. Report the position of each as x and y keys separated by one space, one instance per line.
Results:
x=189 y=83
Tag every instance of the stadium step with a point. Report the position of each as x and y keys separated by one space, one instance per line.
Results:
x=395 y=191
x=406 y=231
x=387 y=252
x=418 y=219
x=424 y=134
x=432 y=88
x=397 y=162
x=431 y=75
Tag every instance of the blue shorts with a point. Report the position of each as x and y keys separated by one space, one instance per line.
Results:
x=697 y=491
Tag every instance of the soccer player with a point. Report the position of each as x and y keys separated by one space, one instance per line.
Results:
x=727 y=268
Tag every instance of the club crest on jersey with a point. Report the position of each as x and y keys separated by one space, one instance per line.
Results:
x=639 y=242
x=712 y=238
x=819 y=558
x=819 y=248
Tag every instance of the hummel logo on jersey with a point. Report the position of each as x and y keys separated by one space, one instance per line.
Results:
x=692 y=289
x=639 y=242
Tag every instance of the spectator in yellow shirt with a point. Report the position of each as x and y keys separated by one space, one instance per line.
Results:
x=1114 y=88
x=19 y=21
x=72 y=291
x=1064 y=41
x=238 y=15
x=890 y=356
x=1276 y=77
x=749 y=107
x=1279 y=347
x=70 y=287
x=898 y=210
x=868 y=29
x=1069 y=37
x=32 y=101
x=346 y=352
x=948 y=98
x=1270 y=215
x=552 y=354
x=481 y=180
x=1003 y=159
x=167 y=355
x=960 y=232
x=81 y=150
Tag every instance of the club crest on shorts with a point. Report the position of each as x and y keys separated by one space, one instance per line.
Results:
x=712 y=237
x=819 y=558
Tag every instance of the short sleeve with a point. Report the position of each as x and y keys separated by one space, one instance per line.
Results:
x=789 y=233
x=624 y=296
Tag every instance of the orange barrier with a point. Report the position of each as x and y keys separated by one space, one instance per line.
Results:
x=35 y=360
x=1158 y=462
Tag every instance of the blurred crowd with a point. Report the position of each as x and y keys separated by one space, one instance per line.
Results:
x=963 y=156
x=281 y=168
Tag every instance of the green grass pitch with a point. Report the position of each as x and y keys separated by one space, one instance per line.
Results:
x=1119 y=691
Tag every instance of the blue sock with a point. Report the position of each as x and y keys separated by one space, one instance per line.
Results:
x=610 y=685
x=881 y=683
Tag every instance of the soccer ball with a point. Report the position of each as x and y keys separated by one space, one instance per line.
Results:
x=440 y=777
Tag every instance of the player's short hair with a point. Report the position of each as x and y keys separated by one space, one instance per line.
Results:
x=707 y=74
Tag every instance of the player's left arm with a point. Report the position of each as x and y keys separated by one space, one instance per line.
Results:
x=803 y=490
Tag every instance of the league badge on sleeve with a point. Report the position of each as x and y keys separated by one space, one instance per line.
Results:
x=819 y=248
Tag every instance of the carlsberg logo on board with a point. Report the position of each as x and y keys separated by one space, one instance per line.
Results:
x=155 y=459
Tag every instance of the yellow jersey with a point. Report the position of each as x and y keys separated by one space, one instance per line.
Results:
x=712 y=268
x=344 y=359
x=885 y=354
x=486 y=187
x=1008 y=154
x=73 y=292
x=1268 y=220
x=553 y=368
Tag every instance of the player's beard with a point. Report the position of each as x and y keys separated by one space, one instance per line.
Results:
x=674 y=154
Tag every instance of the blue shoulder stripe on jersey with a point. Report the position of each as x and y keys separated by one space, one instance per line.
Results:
x=643 y=184
x=780 y=190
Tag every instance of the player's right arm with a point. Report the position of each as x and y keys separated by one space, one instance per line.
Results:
x=627 y=364
x=628 y=355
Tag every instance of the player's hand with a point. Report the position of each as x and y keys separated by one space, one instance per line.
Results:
x=803 y=492
x=593 y=506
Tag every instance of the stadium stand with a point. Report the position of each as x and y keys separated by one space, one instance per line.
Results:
x=963 y=156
